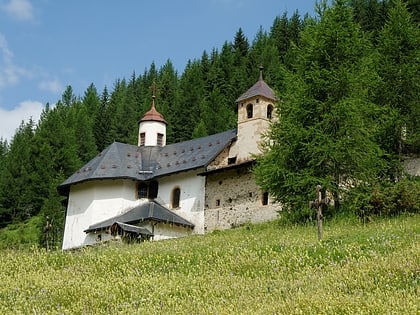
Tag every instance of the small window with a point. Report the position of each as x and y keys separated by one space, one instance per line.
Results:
x=217 y=202
x=264 y=199
x=249 y=111
x=159 y=139
x=257 y=100
x=270 y=111
x=142 y=138
x=148 y=190
x=153 y=190
x=142 y=190
x=176 y=194
x=232 y=160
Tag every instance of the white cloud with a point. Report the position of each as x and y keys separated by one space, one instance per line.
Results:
x=10 y=73
x=19 y=9
x=11 y=119
x=53 y=86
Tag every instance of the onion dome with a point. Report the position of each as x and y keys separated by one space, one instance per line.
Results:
x=153 y=114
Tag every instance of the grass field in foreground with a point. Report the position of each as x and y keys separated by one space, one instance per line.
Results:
x=254 y=269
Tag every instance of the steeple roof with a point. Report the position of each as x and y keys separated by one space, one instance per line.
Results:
x=153 y=114
x=260 y=88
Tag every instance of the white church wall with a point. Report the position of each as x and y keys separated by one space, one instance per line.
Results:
x=93 y=202
x=192 y=189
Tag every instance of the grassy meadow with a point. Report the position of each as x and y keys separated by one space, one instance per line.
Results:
x=254 y=269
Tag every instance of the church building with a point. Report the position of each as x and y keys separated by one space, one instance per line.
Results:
x=156 y=191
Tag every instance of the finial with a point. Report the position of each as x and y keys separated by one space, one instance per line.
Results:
x=261 y=71
x=153 y=94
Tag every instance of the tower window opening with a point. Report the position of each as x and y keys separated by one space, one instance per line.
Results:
x=249 y=111
x=159 y=139
x=142 y=138
x=270 y=111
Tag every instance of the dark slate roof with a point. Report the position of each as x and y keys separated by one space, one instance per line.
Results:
x=260 y=88
x=147 y=162
x=147 y=211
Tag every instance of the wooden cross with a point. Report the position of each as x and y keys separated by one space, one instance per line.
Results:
x=154 y=89
x=318 y=203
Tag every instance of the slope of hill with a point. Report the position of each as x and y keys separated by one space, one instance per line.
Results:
x=254 y=269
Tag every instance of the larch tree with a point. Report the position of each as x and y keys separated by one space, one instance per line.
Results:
x=399 y=68
x=325 y=134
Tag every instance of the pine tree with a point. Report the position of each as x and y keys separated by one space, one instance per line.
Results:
x=167 y=86
x=18 y=196
x=91 y=102
x=102 y=122
x=187 y=111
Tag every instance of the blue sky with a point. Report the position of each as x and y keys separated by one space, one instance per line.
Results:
x=46 y=45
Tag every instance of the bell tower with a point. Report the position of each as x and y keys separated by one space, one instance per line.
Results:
x=152 y=127
x=255 y=111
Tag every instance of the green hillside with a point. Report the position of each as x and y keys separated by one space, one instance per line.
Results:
x=254 y=269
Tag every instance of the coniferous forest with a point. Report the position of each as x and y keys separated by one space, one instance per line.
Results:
x=347 y=77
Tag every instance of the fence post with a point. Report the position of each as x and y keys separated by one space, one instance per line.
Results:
x=319 y=203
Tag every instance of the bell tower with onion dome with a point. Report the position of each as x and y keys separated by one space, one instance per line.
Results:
x=152 y=127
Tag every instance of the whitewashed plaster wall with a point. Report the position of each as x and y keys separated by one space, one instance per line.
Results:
x=151 y=130
x=163 y=231
x=192 y=188
x=93 y=202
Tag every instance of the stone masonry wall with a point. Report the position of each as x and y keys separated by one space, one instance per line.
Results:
x=233 y=198
x=412 y=165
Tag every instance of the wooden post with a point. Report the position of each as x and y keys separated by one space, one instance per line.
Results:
x=47 y=229
x=319 y=202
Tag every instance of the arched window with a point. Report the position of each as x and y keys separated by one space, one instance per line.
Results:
x=270 y=111
x=176 y=195
x=249 y=111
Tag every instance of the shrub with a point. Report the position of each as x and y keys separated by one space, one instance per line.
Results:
x=385 y=199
